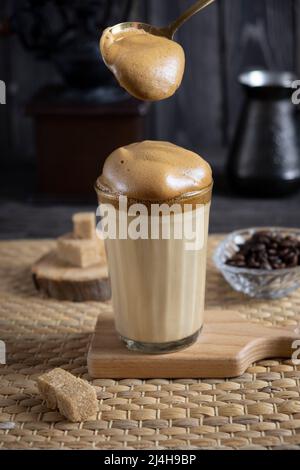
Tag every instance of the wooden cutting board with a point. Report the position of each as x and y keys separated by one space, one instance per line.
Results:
x=227 y=346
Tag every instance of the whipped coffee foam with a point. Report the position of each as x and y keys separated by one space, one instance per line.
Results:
x=154 y=171
x=149 y=67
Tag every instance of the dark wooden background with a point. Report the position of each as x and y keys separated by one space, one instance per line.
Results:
x=230 y=36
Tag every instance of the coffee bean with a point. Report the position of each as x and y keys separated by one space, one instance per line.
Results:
x=289 y=257
x=292 y=261
x=267 y=250
x=262 y=261
x=240 y=264
x=258 y=247
x=262 y=234
x=284 y=252
x=289 y=243
x=254 y=264
x=274 y=259
x=239 y=257
x=265 y=240
x=229 y=262
x=266 y=265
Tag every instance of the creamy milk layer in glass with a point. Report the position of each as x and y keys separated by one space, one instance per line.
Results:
x=155 y=201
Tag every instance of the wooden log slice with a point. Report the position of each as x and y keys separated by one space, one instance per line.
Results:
x=53 y=278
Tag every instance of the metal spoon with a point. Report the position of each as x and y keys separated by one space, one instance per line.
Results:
x=168 y=31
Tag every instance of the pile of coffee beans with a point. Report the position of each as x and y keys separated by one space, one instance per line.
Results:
x=267 y=250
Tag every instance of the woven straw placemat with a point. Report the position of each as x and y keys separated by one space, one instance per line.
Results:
x=259 y=410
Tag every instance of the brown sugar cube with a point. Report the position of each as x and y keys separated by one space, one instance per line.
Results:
x=48 y=383
x=75 y=398
x=78 y=402
x=80 y=253
x=84 y=225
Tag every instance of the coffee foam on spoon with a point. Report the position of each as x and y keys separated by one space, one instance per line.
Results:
x=149 y=67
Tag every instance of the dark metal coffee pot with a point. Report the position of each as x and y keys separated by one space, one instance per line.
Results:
x=265 y=156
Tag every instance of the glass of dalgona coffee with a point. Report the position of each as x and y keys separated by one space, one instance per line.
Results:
x=154 y=204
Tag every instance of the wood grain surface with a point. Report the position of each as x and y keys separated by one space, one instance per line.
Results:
x=55 y=279
x=257 y=34
x=193 y=115
x=227 y=345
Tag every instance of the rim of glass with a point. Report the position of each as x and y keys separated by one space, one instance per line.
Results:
x=220 y=264
x=115 y=196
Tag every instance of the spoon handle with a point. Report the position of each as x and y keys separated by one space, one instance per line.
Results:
x=199 y=5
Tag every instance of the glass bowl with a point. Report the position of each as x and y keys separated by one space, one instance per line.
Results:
x=257 y=283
